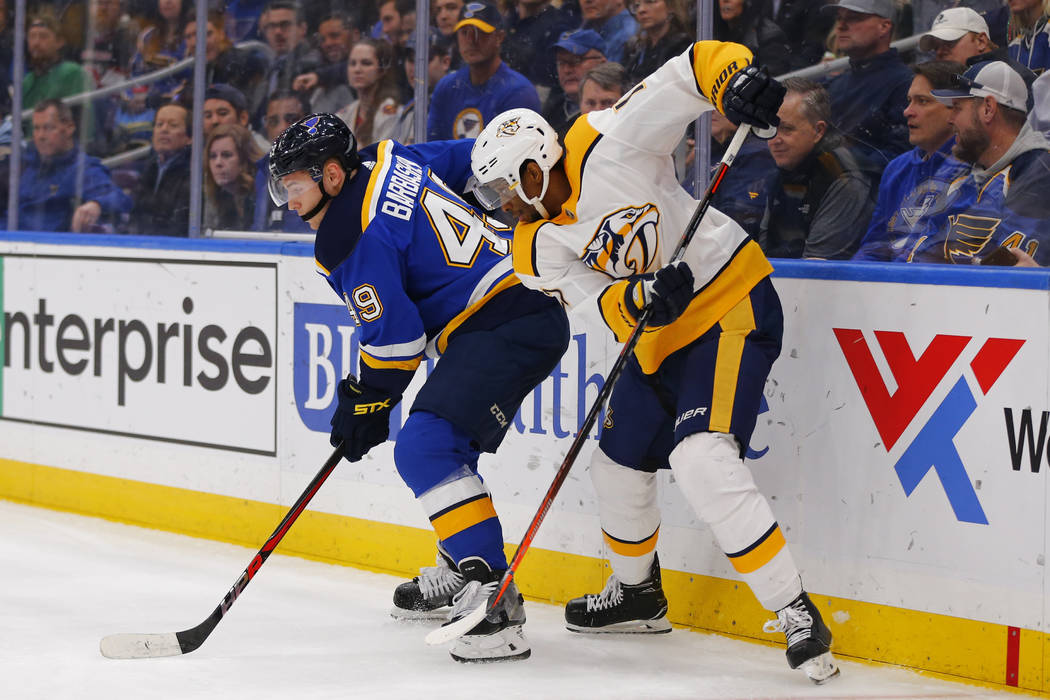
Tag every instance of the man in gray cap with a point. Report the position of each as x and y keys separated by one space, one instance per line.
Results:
x=868 y=100
x=1003 y=202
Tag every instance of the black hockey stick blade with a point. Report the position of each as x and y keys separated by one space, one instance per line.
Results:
x=149 y=646
x=457 y=628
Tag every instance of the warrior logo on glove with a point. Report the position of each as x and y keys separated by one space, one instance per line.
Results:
x=626 y=243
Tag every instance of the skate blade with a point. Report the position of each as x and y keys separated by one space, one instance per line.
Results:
x=508 y=644
x=439 y=614
x=821 y=669
x=657 y=626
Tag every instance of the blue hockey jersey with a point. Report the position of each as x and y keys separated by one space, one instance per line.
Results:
x=1032 y=48
x=412 y=261
x=911 y=186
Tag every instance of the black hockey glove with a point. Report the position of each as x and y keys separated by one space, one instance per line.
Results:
x=669 y=292
x=753 y=97
x=362 y=418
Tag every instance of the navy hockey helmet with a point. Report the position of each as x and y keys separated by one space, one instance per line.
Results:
x=307 y=145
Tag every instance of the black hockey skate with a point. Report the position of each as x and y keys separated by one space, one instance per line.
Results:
x=808 y=639
x=429 y=595
x=621 y=608
x=498 y=637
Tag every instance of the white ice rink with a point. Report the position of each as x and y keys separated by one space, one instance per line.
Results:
x=309 y=630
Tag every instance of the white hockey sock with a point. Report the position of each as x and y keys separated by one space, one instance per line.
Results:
x=629 y=514
x=715 y=480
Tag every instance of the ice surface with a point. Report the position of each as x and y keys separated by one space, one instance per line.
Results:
x=308 y=630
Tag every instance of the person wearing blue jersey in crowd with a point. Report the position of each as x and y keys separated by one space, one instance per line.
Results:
x=423 y=274
x=914 y=181
x=1029 y=45
x=868 y=100
x=1003 y=202
x=465 y=100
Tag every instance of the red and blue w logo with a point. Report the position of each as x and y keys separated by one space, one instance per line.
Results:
x=917 y=378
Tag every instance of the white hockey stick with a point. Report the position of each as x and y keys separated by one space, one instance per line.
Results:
x=454 y=629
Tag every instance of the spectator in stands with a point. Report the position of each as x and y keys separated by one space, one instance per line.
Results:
x=437 y=69
x=602 y=86
x=49 y=76
x=742 y=22
x=957 y=34
x=7 y=43
x=575 y=53
x=532 y=28
x=229 y=183
x=282 y=110
x=446 y=16
x=243 y=69
x=111 y=44
x=805 y=26
x=465 y=100
x=242 y=19
x=328 y=88
x=612 y=21
x=743 y=193
x=224 y=104
x=1003 y=202
x=662 y=35
x=924 y=14
x=162 y=199
x=1028 y=43
x=819 y=200
x=284 y=29
x=62 y=188
x=374 y=115
x=913 y=182
x=161 y=42
x=868 y=100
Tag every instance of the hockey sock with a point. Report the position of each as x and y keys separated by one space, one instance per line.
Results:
x=630 y=516
x=715 y=480
x=438 y=462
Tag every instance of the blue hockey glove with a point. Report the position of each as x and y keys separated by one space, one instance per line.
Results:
x=669 y=292
x=753 y=97
x=362 y=418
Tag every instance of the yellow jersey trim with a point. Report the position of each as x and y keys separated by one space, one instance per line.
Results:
x=377 y=363
x=375 y=183
x=457 y=321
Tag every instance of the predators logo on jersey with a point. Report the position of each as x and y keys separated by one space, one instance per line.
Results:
x=626 y=243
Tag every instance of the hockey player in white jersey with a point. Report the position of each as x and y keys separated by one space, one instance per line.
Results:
x=599 y=217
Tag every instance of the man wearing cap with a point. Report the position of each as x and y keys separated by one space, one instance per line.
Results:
x=49 y=76
x=612 y=21
x=1003 y=202
x=575 y=53
x=868 y=100
x=465 y=100
x=957 y=34
x=913 y=182
x=225 y=104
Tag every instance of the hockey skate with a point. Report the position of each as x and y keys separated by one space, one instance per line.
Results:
x=429 y=595
x=498 y=637
x=620 y=608
x=808 y=639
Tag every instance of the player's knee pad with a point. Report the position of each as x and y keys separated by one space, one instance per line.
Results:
x=712 y=476
x=626 y=498
x=430 y=450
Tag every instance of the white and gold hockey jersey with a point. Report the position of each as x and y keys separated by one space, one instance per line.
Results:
x=627 y=212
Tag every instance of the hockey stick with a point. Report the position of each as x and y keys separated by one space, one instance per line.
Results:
x=145 y=646
x=457 y=628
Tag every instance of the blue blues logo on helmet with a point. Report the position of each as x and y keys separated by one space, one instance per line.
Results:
x=307 y=145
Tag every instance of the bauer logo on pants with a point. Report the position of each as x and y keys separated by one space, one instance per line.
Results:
x=932 y=448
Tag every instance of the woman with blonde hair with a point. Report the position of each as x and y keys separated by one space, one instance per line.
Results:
x=1030 y=33
x=662 y=34
x=373 y=116
x=229 y=183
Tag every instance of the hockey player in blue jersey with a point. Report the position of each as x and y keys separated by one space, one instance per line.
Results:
x=422 y=273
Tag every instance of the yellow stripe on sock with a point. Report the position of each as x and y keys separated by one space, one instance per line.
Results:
x=460 y=518
x=759 y=554
x=631 y=549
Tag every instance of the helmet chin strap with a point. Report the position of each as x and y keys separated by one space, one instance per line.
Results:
x=537 y=202
x=325 y=198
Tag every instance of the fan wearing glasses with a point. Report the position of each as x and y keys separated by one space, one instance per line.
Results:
x=575 y=53
x=283 y=109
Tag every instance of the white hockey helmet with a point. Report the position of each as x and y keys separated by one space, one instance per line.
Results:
x=503 y=147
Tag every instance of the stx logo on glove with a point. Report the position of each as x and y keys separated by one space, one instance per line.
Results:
x=933 y=447
x=362 y=409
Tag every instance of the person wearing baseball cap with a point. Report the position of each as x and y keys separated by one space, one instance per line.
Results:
x=868 y=100
x=485 y=86
x=957 y=34
x=575 y=53
x=1003 y=202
